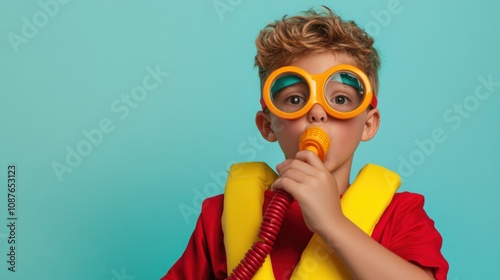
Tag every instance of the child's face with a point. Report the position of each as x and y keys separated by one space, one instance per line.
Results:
x=344 y=134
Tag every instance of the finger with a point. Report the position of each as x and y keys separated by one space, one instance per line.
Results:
x=295 y=174
x=310 y=158
x=290 y=186
x=280 y=165
x=303 y=166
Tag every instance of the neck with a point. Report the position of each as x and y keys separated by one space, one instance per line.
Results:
x=342 y=175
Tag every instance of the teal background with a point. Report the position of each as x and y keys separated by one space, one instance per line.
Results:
x=118 y=214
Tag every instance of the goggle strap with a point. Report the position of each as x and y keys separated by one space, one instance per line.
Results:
x=263 y=104
x=373 y=103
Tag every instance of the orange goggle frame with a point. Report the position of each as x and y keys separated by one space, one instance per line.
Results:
x=316 y=84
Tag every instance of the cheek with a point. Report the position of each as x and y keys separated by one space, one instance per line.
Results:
x=287 y=133
x=285 y=127
x=348 y=134
x=277 y=125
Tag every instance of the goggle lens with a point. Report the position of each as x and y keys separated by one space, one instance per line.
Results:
x=289 y=92
x=344 y=91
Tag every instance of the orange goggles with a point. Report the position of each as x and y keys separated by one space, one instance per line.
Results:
x=343 y=91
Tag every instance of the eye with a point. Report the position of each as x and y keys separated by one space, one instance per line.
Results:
x=341 y=100
x=291 y=98
x=295 y=100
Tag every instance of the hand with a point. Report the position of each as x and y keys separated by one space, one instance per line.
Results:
x=312 y=185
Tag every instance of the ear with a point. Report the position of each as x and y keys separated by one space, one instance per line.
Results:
x=263 y=122
x=372 y=123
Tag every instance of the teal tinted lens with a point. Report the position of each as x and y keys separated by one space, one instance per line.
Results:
x=344 y=91
x=289 y=92
x=283 y=82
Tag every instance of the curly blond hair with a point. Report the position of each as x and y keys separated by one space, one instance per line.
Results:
x=313 y=32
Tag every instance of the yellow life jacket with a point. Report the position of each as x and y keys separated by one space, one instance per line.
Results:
x=363 y=203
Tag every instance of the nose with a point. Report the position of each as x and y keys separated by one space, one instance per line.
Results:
x=317 y=114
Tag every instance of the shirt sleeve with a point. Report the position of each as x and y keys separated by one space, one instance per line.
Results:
x=410 y=233
x=202 y=258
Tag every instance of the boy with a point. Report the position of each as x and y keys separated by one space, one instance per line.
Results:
x=404 y=243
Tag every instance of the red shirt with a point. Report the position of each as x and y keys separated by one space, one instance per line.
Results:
x=404 y=228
